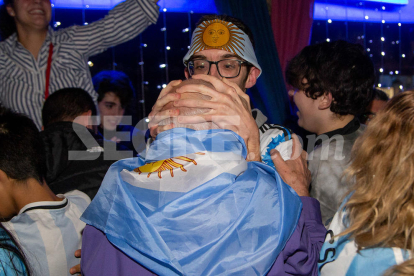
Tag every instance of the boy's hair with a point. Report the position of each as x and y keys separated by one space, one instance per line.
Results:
x=21 y=147
x=239 y=24
x=340 y=68
x=66 y=104
x=115 y=82
x=380 y=95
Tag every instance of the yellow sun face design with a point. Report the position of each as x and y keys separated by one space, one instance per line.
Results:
x=218 y=34
x=164 y=165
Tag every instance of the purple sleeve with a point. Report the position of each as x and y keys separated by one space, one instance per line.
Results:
x=100 y=257
x=301 y=253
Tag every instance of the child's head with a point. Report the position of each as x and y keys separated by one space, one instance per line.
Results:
x=337 y=70
x=21 y=153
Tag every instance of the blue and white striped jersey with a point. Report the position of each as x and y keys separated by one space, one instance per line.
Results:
x=22 y=77
x=50 y=232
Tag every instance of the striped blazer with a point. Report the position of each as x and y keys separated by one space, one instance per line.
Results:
x=22 y=77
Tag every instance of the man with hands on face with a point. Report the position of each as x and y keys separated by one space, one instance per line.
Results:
x=222 y=53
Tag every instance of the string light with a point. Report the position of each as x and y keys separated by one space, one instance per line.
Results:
x=401 y=87
x=163 y=29
x=147 y=120
x=329 y=21
x=163 y=65
x=397 y=72
x=379 y=85
x=381 y=70
x=382 y=53
x=383 y=8
x=368 y=50
x=399 y=24
x=90 y=63
x=164 y=10
x=403 y=55
x=382 y=38
x=186 y=30
x=383 y=21
x=159 y=86
x=164 y=85
x=366 y=17
x=328 y=40
x=168 y=48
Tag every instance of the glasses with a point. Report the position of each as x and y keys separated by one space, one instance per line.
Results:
x=227 y=68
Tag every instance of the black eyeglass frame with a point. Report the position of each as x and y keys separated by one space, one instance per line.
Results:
x=241 y=62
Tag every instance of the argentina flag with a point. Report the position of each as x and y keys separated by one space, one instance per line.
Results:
x=194 y=206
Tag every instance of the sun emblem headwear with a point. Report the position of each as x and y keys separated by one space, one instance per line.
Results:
x=223 y=35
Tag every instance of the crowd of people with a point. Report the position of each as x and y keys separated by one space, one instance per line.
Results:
x=212 y=187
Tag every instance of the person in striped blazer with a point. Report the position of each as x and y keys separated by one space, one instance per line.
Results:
x=36 y=60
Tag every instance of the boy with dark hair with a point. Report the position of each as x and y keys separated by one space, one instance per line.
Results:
x=115 y=96
x=334 y=83
x=47 y=226
x=75 y=156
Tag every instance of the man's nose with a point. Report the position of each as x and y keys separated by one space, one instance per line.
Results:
x=213 y=71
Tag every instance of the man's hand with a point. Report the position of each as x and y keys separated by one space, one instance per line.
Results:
x=295 y=171
x=76 y=269
x=156 y=115
x=230 y=109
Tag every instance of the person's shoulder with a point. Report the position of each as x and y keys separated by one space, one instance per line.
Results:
x=78 y=198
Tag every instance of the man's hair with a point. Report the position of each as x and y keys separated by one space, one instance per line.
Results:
x=7 y=23
x=66 y=104
x=239 y=24
x=340 y=68
x=115 y=82
x=21 y=147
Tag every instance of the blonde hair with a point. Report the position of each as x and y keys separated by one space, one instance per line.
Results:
x=380 y=210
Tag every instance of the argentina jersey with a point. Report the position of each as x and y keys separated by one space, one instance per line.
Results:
x=50 y=232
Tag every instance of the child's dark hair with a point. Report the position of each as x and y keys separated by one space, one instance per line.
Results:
x=115 y=82
x=340 y=68
x=66 y=104
x=22 y=153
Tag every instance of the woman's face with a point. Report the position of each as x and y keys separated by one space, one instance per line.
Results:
x=111 y=111
x=31 y=14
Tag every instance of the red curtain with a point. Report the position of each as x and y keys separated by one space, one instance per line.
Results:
x=292 y=24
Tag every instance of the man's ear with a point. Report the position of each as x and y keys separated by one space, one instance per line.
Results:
x=325 y=101
x=10 y=10
x=187 y=75
x=252 y=77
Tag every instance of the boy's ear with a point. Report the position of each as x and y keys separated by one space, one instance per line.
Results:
x=325 y=101
x=3 y=176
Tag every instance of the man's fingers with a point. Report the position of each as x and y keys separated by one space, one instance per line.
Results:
x=296 y=147
x=75 y=269
x=78 y=253
x=155 y=130
x=198 y=88
x=162 y=115
x=169 y=87
x=161 y=102
x=196 y=103
x=277 y=159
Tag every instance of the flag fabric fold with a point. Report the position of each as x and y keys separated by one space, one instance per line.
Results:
x=194 y=206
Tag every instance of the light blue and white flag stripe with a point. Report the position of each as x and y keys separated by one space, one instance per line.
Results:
x=216 y=215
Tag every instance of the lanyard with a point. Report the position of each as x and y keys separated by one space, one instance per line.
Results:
x=49 y=65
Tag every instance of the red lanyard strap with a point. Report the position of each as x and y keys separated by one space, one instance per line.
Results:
x=49 y=65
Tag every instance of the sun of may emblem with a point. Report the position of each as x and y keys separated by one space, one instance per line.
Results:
x=218 y=34
x=164 y=165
